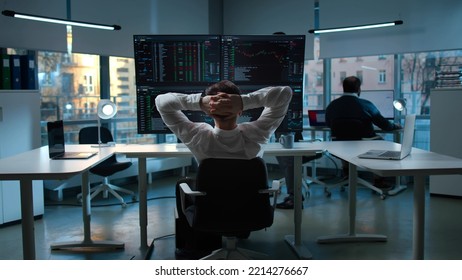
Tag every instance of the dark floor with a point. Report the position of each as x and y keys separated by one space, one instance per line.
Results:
x=321 y=216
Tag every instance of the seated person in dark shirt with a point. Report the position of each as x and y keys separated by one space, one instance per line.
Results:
x=351 y=106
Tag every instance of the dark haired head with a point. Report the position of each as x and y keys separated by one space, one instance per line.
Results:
x=352 y=84
x=222 y=86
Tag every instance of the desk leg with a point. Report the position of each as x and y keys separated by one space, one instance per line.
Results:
x=419 y=217
x=295 y=241
x=398 y=187
x=86 y=213
x=142 y=190
x=27 y=216
x=352 y=236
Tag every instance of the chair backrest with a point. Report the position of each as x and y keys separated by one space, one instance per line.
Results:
x=348 y=129
x=89 y=135
x=232 y=203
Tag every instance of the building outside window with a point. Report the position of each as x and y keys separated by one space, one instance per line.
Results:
x=382 y=76
x=88 y=85
x=123 y=92
x=70 y=88
x=313 y=85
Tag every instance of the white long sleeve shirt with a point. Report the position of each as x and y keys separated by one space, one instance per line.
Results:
x=243 y=142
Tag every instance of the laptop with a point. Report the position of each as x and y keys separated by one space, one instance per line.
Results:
x=317 y=118
x=406 y=146
x=56 y=146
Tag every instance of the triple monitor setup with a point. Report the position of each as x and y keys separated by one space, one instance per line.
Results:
x=191 y=63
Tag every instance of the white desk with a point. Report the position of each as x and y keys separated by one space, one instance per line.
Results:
x=36 y=165
x=419 y=163
x=142 y=152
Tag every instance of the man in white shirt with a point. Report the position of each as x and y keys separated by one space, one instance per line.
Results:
x=224 y=102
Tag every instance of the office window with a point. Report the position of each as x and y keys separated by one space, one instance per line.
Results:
x=69 y=87
x=359 y=74
x=123 y=93
x=367 y=68
x=419 y=76
x=342 y=76
x=313 y=86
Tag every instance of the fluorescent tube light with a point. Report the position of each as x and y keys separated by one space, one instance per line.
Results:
x=60 y=21
x=356 y=27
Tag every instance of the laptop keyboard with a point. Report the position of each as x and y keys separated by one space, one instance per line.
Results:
x=390 y=154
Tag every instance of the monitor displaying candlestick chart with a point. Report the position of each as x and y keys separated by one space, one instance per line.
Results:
x=190 y=63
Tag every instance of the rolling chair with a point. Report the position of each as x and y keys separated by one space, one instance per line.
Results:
x=89 y=135
x=231 y=199
x=349 y=130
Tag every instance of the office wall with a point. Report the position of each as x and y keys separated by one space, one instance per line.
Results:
x=135 y=17
x=428 y=25
x=17 y=33
x=138 y=17
x=267 y=16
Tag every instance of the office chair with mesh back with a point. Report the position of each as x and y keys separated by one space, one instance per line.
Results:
x=89 y=135
x=349 y=130
x=231 y=198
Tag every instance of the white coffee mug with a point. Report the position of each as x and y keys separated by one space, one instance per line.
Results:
x=287 y=140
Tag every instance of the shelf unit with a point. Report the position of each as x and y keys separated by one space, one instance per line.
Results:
x=20 y=128
x=445 y=136
x=448 y=76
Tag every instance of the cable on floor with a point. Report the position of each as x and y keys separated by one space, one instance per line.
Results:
x=151 y=247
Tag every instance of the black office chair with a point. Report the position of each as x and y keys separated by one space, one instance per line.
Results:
x=350 y=130
x=231 y=199
x=89 y=135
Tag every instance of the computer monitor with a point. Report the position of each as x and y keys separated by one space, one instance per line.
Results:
x=263 y=60
x=382 y=99
x=177 y=59
x=190 y=63
x=150 y=121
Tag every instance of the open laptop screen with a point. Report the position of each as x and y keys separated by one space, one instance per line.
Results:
x=55 y=138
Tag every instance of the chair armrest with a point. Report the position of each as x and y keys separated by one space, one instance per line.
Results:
x=185 y=189
x=276 y=185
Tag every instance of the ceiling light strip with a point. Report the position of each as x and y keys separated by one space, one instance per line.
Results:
x=357 y=27
x=60 y=21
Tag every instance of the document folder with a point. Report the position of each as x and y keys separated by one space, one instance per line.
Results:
x=5 y=73
x=15 y=68
x=28 y=73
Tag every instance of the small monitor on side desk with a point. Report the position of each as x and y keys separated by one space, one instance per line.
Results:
x=317 y=118
x=382 y=99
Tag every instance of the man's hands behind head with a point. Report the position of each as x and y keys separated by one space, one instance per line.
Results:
x=222 y=104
